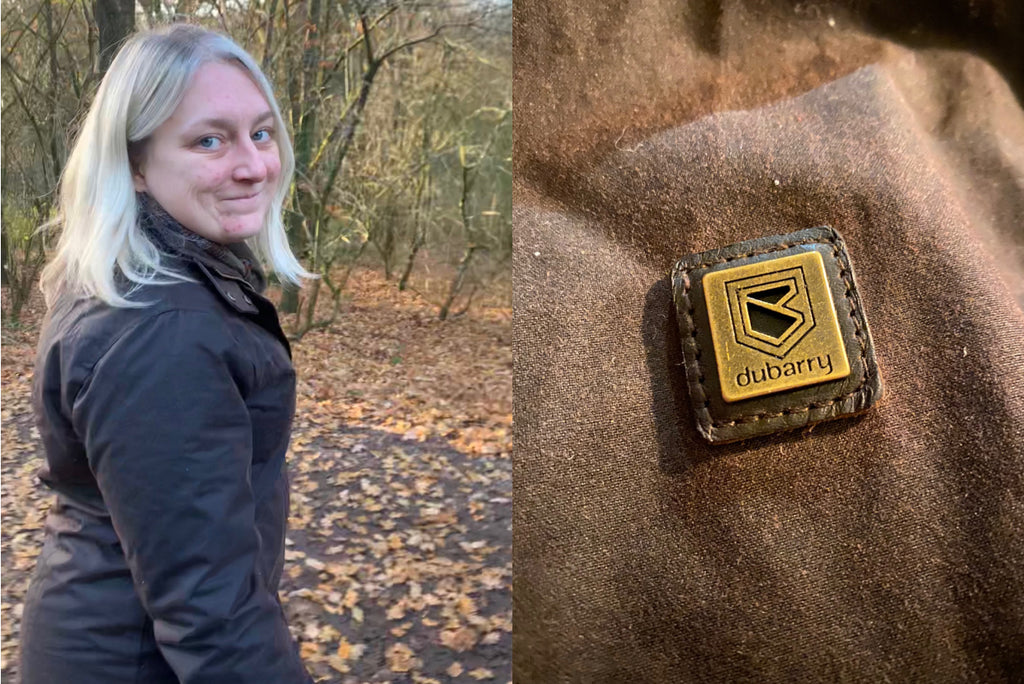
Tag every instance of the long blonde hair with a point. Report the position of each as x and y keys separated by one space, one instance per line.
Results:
x=97 y=203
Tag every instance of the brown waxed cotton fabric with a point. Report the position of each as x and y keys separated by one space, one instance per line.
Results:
x=885 y=547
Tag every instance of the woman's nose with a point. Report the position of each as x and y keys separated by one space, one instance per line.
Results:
x=249 y=163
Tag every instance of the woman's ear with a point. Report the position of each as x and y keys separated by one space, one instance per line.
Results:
x=135 y=154
x=139 y=181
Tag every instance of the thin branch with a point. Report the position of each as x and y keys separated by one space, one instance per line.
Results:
x=343 y=54
x=25 y=29
x=350 y=119
x=366 y=37
x=10 y=68
x=35 y=124
x=416 y=41
x=67 y=16
x=76 y=83
x=221 y=14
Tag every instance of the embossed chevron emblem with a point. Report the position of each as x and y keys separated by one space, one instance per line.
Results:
x=771 y=312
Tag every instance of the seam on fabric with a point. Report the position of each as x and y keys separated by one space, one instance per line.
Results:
x=152 y=316
x=854 y=314
x=139 y=657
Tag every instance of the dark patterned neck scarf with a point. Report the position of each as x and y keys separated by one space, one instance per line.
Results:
x=177 y=241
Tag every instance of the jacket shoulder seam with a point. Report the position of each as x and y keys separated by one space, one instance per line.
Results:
x=151 y=316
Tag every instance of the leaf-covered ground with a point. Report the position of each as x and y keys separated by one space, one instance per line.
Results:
x=398 y=560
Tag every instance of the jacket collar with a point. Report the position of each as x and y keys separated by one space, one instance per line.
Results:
x=176 y=241
x=232 y=271
x=239 y=295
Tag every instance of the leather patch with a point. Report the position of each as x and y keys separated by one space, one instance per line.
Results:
x=774 y=336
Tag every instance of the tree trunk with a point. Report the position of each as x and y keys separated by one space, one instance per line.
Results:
x=55 y=138
x=460 y=276
x=115 y=20
x=296 y=237
x=417 y=244
x=304 y=323
x=303 y=94
x=268 y=41
x=5 y=241
x=419 y=225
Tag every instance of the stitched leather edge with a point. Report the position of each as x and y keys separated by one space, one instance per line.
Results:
x=853 y=401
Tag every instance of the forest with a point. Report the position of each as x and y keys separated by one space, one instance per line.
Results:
x=400 y=115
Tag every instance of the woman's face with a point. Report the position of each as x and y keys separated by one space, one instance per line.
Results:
x=214 y=164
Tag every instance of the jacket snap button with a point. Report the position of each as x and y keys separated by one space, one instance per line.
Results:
x=247 y=300
x=230 y=296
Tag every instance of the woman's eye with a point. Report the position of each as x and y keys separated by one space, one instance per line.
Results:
x=261 y=135
x=209 y=143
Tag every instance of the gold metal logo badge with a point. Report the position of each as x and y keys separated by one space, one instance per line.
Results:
x=774 y=327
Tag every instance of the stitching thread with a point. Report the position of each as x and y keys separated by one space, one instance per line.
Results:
x=854 y=314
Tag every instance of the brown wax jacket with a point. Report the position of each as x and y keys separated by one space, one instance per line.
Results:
x=166 y=430
x=886 y=547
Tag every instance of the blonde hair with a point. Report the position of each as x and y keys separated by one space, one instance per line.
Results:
x=97 y=206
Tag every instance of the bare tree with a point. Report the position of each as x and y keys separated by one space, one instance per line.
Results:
x=40 y=94
x=376 y=37
x=471 y=224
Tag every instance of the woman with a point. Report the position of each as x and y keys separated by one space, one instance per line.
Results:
x=164 y=389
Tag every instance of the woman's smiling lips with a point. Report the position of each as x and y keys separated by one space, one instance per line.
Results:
x=243 y=199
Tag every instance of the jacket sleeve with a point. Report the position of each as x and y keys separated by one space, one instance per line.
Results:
x=169 y=440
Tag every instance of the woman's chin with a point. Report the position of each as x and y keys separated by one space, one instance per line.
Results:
x=242 y=228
